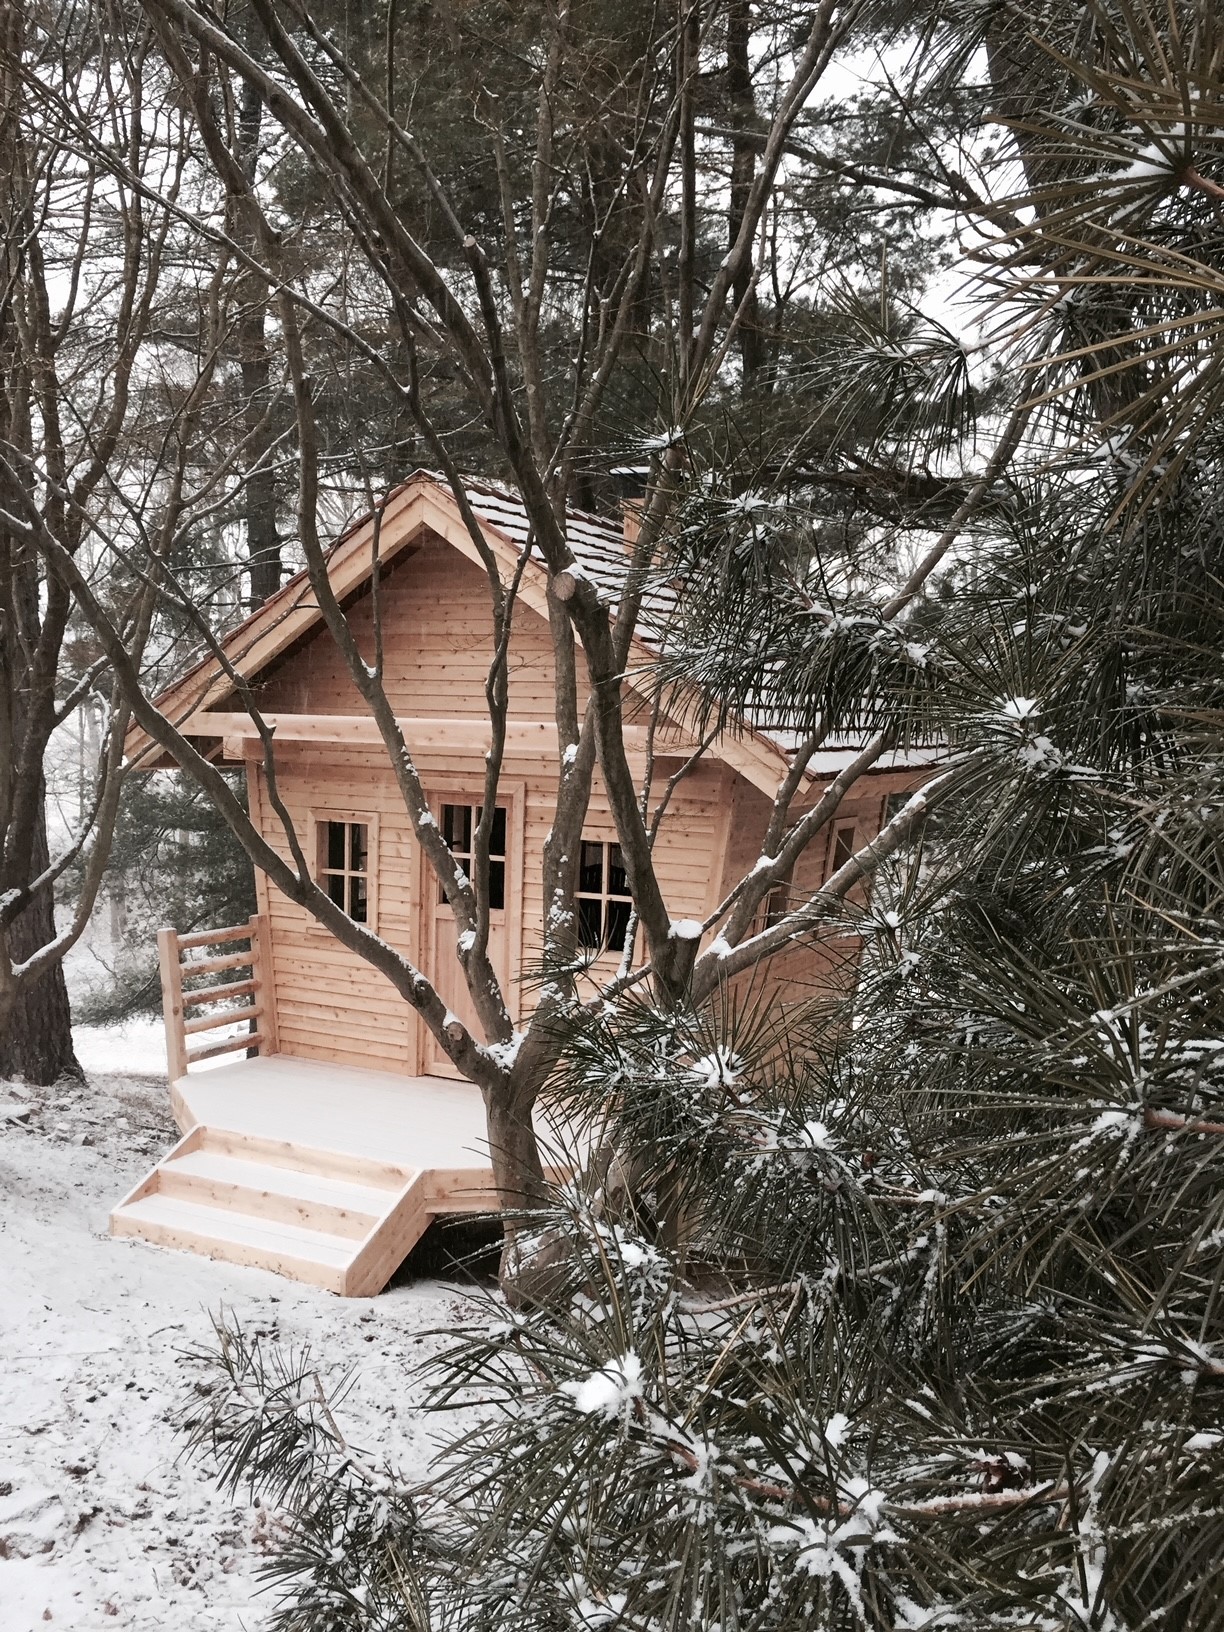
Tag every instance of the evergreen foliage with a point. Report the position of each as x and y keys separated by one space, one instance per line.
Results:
x=956 y=1359
x=173 y=862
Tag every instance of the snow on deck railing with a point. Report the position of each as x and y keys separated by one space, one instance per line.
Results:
x=215 y=999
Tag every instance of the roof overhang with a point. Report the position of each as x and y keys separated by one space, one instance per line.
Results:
x=206 y=694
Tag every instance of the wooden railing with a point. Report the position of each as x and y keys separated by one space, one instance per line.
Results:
x=194 y=1003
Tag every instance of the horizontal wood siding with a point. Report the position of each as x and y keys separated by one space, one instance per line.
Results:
x=749 y=818
x=438 y=643
x=331 y=1004
x=802 y=973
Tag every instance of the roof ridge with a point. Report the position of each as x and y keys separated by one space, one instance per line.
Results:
x=507 y=490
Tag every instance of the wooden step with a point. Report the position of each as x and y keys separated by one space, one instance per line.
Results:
x=316 y=1256
x=330 y=1164
x=310 y=1200
x=390 y=1243
x=345 y=1225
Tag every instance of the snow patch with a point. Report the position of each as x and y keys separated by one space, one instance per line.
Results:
x=1150 y=161
x=1040 y=755
x=1112 y=1122
x=105 y=1524
x=609 y=1391
x=837 y=1430
x=1020 y=708
x=718 y=1069
x=506 y=1053
x=816 y=1135
x=669 y=438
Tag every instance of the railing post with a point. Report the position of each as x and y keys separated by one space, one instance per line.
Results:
x=265 y=988
x=172 y=1002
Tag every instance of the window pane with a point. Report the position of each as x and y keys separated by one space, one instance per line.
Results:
x=357 y=900
x=590 y=924
x=457 y=828
x=776 y=903
x=497 y=840
x=334 y=839
x=590 y=868
x=618 y=880
x=359 y=847
x=618 y=924
x=497 y=885
x=843 y=847
x=333 y=883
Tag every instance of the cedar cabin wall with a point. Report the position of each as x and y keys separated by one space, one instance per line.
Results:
x=437 y=639
x=330 y=1004
x=805 y=972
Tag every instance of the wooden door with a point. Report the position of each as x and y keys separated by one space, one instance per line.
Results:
x=458 y=817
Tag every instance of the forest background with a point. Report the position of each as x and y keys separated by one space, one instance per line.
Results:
x=939 y=1342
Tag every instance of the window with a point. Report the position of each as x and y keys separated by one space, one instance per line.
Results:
x=459 y=824
x=604 y=902
x=343 y=864
x=841 y=846
x=775 y=905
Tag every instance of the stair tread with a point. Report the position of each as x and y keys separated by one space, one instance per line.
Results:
x=226 y=1225
x=290 y=1182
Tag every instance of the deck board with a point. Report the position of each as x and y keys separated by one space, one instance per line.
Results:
x=324 y=1173
x=414 y=1122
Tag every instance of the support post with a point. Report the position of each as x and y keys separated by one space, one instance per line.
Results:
x=172 y=1002
x=265 y=986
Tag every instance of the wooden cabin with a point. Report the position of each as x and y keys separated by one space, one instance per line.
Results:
x=333 y=1132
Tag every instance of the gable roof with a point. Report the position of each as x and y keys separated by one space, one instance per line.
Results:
x=424 y=504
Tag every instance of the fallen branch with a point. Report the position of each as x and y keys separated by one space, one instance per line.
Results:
x=737 y=1300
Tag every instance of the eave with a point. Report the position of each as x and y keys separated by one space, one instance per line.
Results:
x=420 y=506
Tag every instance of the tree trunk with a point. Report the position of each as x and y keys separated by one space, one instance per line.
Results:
x=513 y=1151
x=743 y=168
x=263 y=539
x=255 y=363
x=36 y=1040
x=521 y=1187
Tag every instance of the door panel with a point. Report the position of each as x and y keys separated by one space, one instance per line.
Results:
x=458 y=818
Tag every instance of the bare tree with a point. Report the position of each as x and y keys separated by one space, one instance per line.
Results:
x=111 y=329
x=486 y=320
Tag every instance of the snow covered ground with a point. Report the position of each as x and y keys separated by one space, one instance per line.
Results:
x=101 y=1525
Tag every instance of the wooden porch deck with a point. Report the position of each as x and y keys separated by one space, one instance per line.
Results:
x=323 y=1173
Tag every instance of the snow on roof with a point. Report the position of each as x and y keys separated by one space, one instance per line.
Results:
x=597 y=543
x=599 y=547
x=601 y=552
